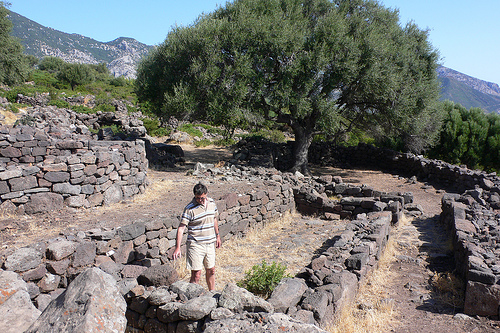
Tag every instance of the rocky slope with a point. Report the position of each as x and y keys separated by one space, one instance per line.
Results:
x=469 y=91
x=121 y=55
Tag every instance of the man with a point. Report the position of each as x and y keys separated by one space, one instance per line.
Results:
x=200 y=217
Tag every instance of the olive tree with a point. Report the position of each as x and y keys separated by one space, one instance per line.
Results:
x=318 y=66
x=14 y=65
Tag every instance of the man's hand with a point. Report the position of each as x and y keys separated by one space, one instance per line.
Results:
x=177 y=254
x=218 y=242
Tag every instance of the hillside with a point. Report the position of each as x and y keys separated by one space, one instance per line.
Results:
x=121 y=55
x=469 y=91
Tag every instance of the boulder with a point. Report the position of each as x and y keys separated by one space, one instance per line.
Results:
x=44 y=202
x=197 y=308
x=23 y=260
x=189 y=290
x=60 y=249
x=238 y=299
x=162 y=275
x=287 y=294
x=91 y=303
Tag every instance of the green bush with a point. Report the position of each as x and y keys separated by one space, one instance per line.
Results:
x=153 y=127
x=105 y=108
x=275 y=136
x=203 y=143
x=82 y=109
x=60 y=103
x=262 y=279
x=189 y=129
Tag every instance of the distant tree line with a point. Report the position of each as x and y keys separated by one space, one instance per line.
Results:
x=470 y=137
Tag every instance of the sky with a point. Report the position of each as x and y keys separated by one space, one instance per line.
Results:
x=466 y=33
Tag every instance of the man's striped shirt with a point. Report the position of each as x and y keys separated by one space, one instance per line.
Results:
x=200 y=221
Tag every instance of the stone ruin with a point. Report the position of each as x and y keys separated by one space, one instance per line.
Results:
x=131 y=264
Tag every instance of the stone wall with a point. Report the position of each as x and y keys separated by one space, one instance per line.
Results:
x=314 y=297
x=471 y=215
x=128 y=251
x=475 y=231
x=41 y=171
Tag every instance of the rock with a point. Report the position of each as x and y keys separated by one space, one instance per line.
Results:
x=17 y=313
x=131 y=231
x=23 y=260
x=273 y=323
x=162 y=275
x=60 y=249
x=49 y=283
x=168 y=312
x=44 y=202
x=238 y=299
x=160 y=296
x=287 y=294
x=91 y=303
x=112 y=195
x=190 y=290
x=197 y=308
x=317 y=303
x=84 y=254
x=481 y=299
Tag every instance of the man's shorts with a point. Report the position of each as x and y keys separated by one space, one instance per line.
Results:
x=199 y=255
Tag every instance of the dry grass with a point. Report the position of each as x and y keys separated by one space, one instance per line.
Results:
x=449 y=289
x=239 y=254
x=372 y=310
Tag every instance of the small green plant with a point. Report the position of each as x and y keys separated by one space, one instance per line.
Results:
x=105 y=108
x=262 y=279
x=59 y=103
x=203 y=143
x=82 y=109
x=191 y=130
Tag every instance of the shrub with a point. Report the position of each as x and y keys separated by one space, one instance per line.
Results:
x=203 y=143
x=105 y=108
x=262 y=279
x=59 y=103
x=191 y=130
x=82 y=109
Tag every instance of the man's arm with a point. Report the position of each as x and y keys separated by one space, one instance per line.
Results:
x=178 y=241
x=218 y=242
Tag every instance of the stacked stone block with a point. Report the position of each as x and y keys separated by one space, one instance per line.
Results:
x=40 y=171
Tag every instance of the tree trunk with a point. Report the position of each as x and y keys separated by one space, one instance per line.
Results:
x=303 y=140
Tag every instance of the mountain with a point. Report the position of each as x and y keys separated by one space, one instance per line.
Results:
x=121 y=55
x=469 y=91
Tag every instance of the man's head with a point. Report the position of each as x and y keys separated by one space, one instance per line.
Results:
x=200 y=193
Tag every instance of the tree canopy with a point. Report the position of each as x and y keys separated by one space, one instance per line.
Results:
x=313 y=65
x=14 y=66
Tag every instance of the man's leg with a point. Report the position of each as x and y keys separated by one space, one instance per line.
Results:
x=210 y=275
x=195 y=276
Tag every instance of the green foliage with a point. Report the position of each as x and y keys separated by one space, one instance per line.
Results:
x=26 y=90
x=76 y=74
x=262 y=279
x=25 y=120
x=14 y=65
x=60 y=103
x=82 y=109
x=469 y=137
x=314 y=65
x=226 y=142
x=203 y=143
x=191 y=130
x=275 y=136
x=153 y=127
x=51 y=64
x=105 y=107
